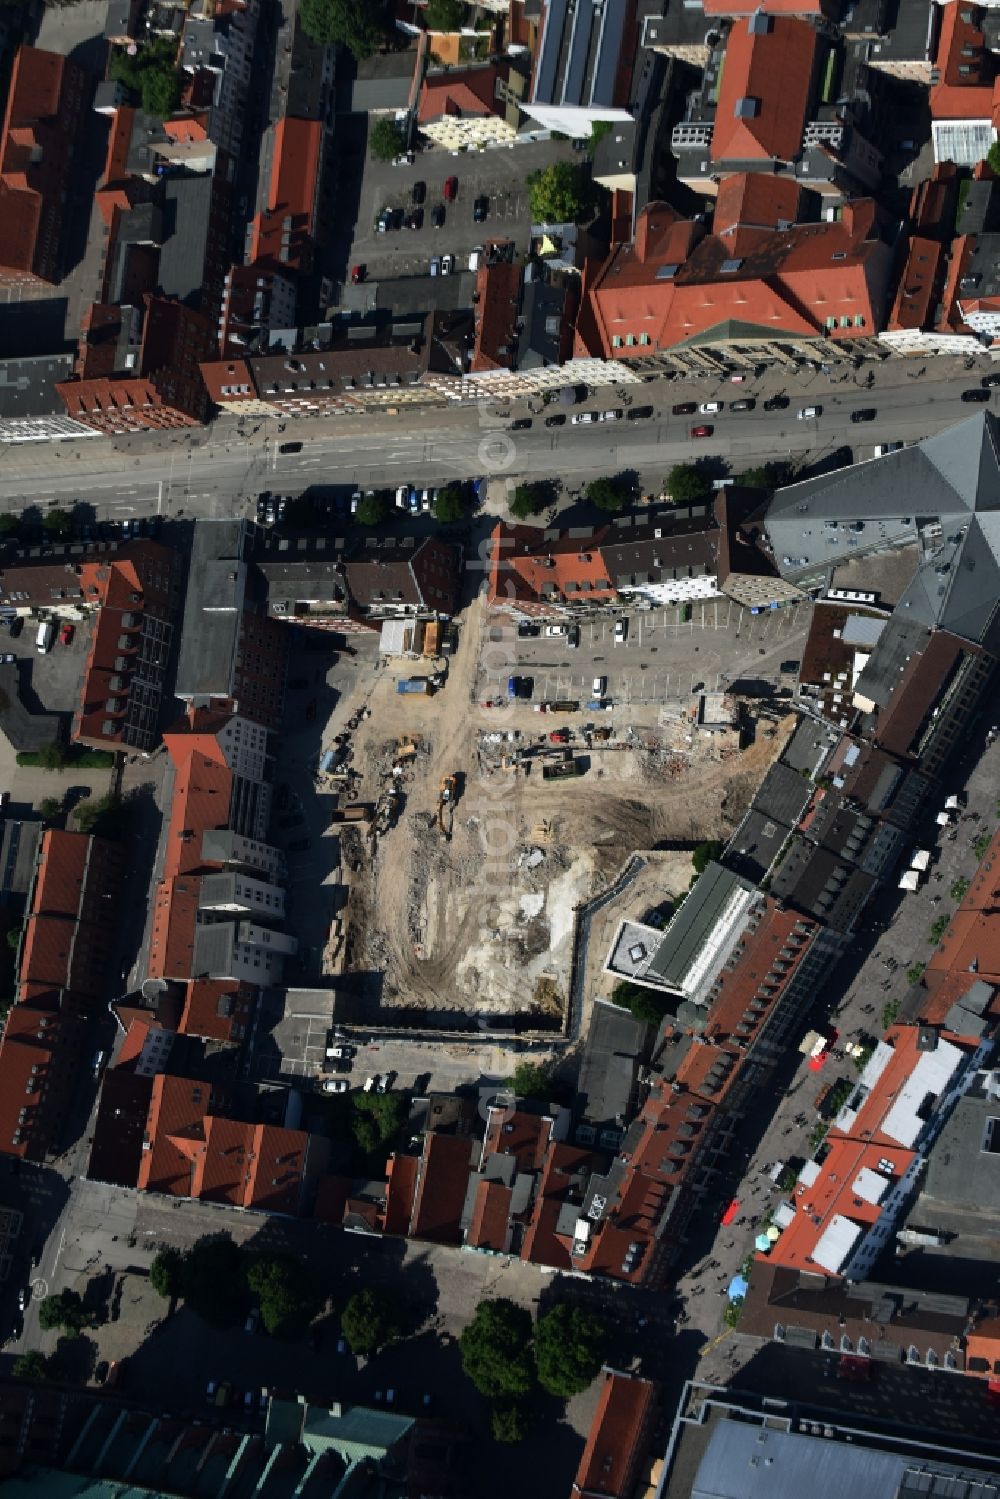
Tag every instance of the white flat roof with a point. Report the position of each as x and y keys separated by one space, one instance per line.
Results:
x=929 y=1078
x=836 y=1242
x=871 y=1185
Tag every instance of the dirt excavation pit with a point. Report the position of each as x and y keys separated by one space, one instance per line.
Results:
x=461 y=908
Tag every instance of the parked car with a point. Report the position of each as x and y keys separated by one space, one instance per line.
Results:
x=599 y=686
x=415 y=219
x=527 y=628
x=975 y=395
x=253 y=1319
x=777 y=403
x=555 y=632
x=621 y=631
x=435 y=266
x=418 y=193
x=450 y=189
x=521 y=424
x=883 y=449
x=748 y=405
x=702 y=431
x=402 y=495
x=806 y=413
x=8 y=658
x=447 y=264
x=864 y=414
x=101 y=1371
x=573 y=637
x=559 y=736
x=290 y=447
x=709 y=408
x=639 y=413
x=558 y=420
x=357 y=274
x=583 y=418
x=23 y=1297
x=684 y=408
x=614 y=414
x=336 y=1085
x=15 y=627
x=438 y=215
x=405 y=159
x=66 y=634
x=480 y=209
x=426 y=500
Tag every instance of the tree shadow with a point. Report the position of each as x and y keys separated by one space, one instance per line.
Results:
x=74 y=1359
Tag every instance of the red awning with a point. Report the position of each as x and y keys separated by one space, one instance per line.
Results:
x=730 y=1213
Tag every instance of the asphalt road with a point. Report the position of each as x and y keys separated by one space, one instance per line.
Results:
x=217 y=471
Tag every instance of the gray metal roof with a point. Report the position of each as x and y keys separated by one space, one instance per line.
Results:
x=742 y=1461
x=694 y=922
x=187 y=211
x=943 y=494
x=215 y=594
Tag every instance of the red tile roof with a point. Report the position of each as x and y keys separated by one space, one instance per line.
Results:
x=194 y=1152
x=972 y=94
x=35 y=159
x=284 y=230
x=442 y=1183
x=217 y=1009
x=673 y=284
x=175 y=916
x=472 y=92
x=401 y=1181
x=489 y=1227
x=617 y=1437
x=519 y=1134
x=765 y=91
x=498 y=302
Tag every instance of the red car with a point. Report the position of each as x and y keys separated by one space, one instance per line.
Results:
x=358 y=274
x=702 y=431
x=450 y=189
x=66 y=634
x=560 y=736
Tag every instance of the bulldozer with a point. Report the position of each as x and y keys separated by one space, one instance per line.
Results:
x=447 y=791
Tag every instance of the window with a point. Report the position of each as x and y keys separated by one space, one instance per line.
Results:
x=845 y=321
x=616 y=340
x=859 y=320
x=831 y=322
x=644 y=338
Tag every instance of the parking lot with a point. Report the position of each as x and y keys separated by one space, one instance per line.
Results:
x=666 y=654
x=498 y=175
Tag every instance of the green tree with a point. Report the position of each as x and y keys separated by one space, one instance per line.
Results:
x=370 y=1320
x=14 y=936
x=527 y=499
x=161 y=91
x=285 y=1293
x=687 y=484
x=598 y=130
x=444 y=15
x=372 y=509
x=509 y=1421
x=365 y=1134
x=49 y=808
x=644 y=1004
x=705 y=854
x=386 y=139
x=166 y=1273
x=530 y=1080
x=559 y=194
x=9 y=524
x=606 y=494
x=64 y=1310
x=31 y=1365
x=570 y=1345
x=57 y=522
x=496 y=1348
x=359 y=24
x=214 y=1282
x=151 y=73
x=450 y=504
x=993 y=158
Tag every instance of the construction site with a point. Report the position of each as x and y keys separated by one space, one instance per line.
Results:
x=470 y=839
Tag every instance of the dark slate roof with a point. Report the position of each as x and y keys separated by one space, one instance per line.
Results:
x=950 y=481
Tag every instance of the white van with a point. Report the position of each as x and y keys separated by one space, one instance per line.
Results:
x=45 y=637
x=475 y=257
